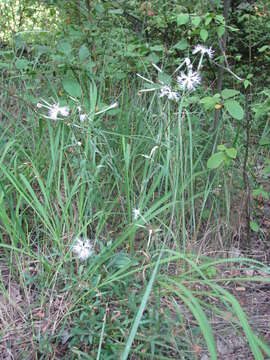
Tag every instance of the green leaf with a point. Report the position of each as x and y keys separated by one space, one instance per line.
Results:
x=100 y=9
x=65 y=47
x=209 y=102
x=231 y=153
x=216 y=160
x=83 y=53
x=72 y=87
x=228 y=93
x=254 y=226
x=221 y=147
x=182 y=19
x=120 y=260
x=208 y=20
x=157 y=48
x=263 y=48
x=264 y=141
x=181 y=45
x=234 y=109
x=204 y=34
x=21 y=64
x=196 y=21
x=164 y=78
x=220 y=19
x=153 y=58
x=246 y=83
x=220 y=30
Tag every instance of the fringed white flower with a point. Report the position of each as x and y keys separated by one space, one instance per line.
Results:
x=167 y=91
x=54 y=110
x=203 y=50
x=189 y=81
x=82 y=248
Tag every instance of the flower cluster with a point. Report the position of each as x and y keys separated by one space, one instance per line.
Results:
x=82 y=248
x=187 y=80
x=54 y=110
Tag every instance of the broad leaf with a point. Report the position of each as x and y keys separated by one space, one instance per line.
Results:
x=231 y=153
x=228 y=93
x=209 y=102
x=182 y=19
x=204 y=34
x=83 y=53
x=234 y=109
x=181 y=45
x=220 y=30
x=216 y=160
x=72 y=87
x=196 y=21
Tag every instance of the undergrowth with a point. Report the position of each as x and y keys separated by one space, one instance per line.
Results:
x=132 y=179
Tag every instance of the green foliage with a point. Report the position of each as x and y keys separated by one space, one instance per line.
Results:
x=123 y=149
x=224 y=155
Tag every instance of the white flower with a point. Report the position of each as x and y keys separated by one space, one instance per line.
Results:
x=188 y=63
x=82 y=248
x=167 y=91
x=82 y=117
x=136 y=214
x=189 y=81
x=203 y=50
x=54 y=110
x=64 y=111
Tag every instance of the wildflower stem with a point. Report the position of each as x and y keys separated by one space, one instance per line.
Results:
x=200 y=62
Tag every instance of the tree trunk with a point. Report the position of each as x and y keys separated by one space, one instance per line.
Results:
x=222 y=45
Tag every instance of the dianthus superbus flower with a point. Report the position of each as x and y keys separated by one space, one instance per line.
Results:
x=203 y=50
x=189 y=81
x=167 y=91
x=82 y=248
x=54 y=110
